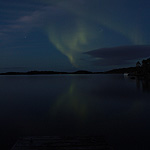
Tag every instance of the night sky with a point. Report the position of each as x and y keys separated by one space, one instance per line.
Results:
x=69 y=35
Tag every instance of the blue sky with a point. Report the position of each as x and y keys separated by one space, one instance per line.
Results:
x=63 y=35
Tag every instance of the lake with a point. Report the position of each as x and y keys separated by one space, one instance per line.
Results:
x=112 y=106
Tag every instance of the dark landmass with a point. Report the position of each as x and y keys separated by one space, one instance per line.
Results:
x=140 y=70
x=82 y=72
x=114 y=71
x=121 y=70
x=48 y=72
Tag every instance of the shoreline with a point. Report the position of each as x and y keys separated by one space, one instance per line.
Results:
x=49 y=73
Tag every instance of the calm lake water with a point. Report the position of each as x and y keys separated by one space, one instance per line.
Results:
x=112 y=106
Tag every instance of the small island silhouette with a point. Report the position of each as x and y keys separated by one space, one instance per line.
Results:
x=141 y=69
x=46 y=72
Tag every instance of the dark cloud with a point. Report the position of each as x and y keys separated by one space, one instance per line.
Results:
x=122 y=55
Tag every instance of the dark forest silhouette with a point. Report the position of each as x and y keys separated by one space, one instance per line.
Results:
x=141 y=69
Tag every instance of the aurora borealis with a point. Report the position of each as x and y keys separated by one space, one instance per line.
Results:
x=62 y=34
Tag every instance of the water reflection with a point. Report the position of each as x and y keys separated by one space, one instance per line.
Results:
x=146 y=85
x=143 y=84
x=71 y=101
x=109 y=105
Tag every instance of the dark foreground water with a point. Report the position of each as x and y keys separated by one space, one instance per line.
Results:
x=112 y=106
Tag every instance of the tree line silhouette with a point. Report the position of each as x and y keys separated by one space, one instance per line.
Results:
x=143 y=68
